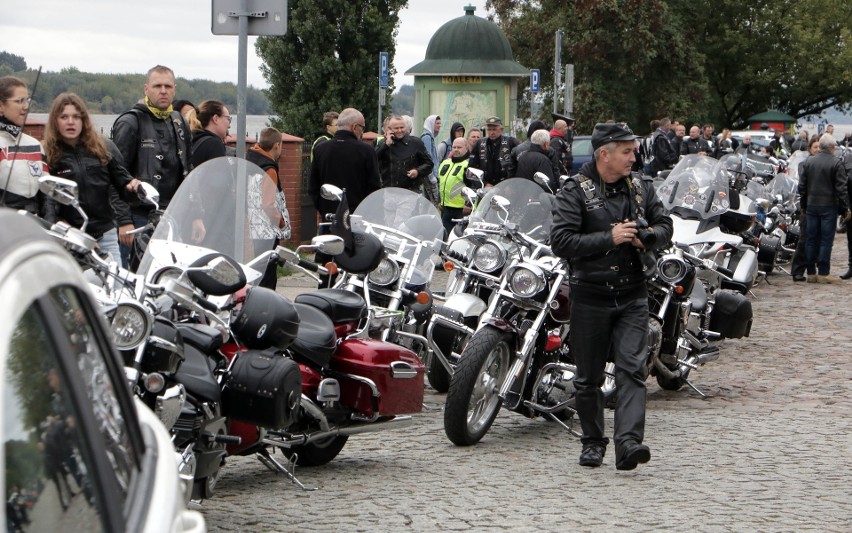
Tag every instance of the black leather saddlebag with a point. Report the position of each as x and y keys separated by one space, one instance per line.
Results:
x=263 y=389
x=731 y=315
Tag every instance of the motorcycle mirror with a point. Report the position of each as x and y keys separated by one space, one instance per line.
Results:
x=500 y=201
x=148 y=194
x=62 y=190
x=563 y=179
x=331 y=192
x=328 y=244
x=469 y=194
x=216 y=274
x=476 y=174
x=543 y=180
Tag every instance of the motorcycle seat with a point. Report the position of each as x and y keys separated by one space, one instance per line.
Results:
x=196 y=374
x=698 y=297
x=205 y=338
x=316 y=341
x=338 y=304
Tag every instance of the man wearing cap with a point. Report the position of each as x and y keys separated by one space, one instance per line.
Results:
x=493 y=154
x=604 y=220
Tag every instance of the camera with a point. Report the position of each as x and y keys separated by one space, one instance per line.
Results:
x=643 y=233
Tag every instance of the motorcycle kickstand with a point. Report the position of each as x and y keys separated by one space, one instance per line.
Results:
x=782 y=269
x=696 y=389
x=564 y=425
x=269 y=462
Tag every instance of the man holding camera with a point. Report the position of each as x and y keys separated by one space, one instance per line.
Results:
x=606 y=222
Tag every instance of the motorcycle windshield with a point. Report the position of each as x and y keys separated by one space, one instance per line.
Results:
x=794 y=162
x=698 y=185
x=530 y=208
x=219 y=207
x=784 y=188
x=762 y=166
x=756 y=191
x=402 y=219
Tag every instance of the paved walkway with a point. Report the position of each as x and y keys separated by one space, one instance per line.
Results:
x=770 y=449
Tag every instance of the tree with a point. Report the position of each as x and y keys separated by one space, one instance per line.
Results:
x=16 y=63
x=630 y=62
x=702 y=60
x=403 y=100
x=328 y=60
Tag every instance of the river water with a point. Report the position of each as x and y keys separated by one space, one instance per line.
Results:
x=103 y=123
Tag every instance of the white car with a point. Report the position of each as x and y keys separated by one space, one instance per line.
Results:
x=80 y=453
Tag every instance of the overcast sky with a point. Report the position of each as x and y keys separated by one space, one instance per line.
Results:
x=124 y=36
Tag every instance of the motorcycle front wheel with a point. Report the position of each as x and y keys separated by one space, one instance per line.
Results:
x=473 y=399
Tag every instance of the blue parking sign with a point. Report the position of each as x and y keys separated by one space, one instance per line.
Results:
x=384 y=69
x=535 y=80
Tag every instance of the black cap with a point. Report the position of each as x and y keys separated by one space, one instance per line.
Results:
x=493 y=121
x=611 y=132
x=556 y=116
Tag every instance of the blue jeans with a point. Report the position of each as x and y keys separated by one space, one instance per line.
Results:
x=822 y=221
x=109 y=244
x=138 y=222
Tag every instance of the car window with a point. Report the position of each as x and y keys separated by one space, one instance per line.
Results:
x=582 y=147
x=55 y=435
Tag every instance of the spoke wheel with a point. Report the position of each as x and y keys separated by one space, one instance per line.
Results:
x=473 y=398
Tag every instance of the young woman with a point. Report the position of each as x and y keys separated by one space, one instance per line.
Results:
x=76 y=152
x=21 y=156
x=209 y=141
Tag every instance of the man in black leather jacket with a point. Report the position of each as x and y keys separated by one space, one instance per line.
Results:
x=604 y=220
x=823 y=195
x=154 y=141
x=403 y=159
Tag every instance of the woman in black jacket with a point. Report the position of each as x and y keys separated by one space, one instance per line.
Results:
x=75 y=151
x=209 y=141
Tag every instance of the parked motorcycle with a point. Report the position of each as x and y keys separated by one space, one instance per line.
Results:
x=518 y=358
x=475 y=262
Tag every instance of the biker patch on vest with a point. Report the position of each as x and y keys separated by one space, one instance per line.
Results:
x=593 y=201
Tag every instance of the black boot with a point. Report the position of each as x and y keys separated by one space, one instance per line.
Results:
x=847 y=275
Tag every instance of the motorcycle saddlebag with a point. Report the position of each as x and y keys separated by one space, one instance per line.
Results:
x=396 y=372
x=731 y=315
x=264 y=389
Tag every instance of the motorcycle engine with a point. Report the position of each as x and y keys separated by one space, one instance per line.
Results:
x=555 y=385
x=655 y=338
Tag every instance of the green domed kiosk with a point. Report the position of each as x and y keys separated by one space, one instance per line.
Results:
x=468 y=74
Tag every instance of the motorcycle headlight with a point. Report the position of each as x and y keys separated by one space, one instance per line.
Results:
x=488 y=257
x=386 y=273
x=130 y=325
x=671 y=269
x=527 y=280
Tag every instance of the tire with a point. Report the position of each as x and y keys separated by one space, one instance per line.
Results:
x=317 y=453
x=439 y=378
x=671 y=384
x=472 y=400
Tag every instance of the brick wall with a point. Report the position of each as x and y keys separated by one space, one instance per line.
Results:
x=290 y=177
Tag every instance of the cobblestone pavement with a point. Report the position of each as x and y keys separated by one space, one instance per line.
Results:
x=770 y=449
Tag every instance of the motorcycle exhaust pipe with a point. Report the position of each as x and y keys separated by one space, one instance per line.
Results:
x=296 y=440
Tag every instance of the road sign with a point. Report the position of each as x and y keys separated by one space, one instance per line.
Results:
x=265 y=17
x=535 y=80
x=384 y=69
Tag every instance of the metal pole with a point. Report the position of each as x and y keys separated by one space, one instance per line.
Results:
x=569 y=89
x=557 y=69
x=241 y=79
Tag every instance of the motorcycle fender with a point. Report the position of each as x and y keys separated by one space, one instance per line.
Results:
x=506 y=326
x=467 y=305
x=746 y=267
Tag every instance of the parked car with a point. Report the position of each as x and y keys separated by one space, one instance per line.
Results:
x=582 y=150
x=81 y=454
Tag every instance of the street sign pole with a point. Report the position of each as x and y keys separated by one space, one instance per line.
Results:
x=384 y=74
x=557 y=69
x=535 y=87
x=569 y=89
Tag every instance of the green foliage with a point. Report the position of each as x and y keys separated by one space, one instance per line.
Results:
x=116 y=93
x=329 y=60
x=403 y=101
x=16 y=63
x=702 y=60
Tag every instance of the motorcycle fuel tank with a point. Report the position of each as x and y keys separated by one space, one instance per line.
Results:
x=397 y=373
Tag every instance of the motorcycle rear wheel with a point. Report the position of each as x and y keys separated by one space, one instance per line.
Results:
x=317 y=453
x=473 y=398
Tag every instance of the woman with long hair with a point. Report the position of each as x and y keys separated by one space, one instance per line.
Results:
x=77 y=152
x=21 y=156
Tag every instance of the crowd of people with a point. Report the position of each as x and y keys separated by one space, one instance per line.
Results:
x=158 y=141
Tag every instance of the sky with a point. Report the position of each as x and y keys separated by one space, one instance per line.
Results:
x=123 y=36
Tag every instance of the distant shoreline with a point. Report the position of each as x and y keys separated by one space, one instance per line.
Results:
x=103 y=123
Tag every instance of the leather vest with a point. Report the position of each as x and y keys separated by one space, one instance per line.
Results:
x=504 y=158
x=148 y=160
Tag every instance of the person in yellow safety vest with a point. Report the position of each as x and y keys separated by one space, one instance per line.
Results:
x=451 y=182
x=329 y=128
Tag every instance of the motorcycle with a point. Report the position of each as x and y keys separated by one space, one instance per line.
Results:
x=475 y=262
x=518 y=357
x=295 y=376
x=708 y=215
